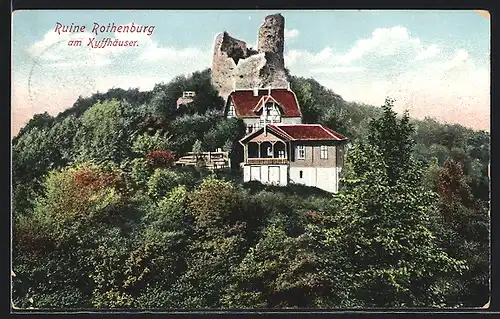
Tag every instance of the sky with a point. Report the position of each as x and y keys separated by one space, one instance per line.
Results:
x=434 y=63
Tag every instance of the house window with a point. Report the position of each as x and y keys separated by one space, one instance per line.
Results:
x=188 y=94
x=268 y=109
x=323 y=152
x=301 y=152
x=231 y=112
x=281 y=154
x=301 y=174
x=249 y=128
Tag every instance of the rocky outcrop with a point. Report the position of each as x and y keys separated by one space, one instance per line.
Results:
x=234 y=65
x=272 y=39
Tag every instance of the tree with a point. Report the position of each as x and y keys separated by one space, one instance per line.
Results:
x=197 y=148
x=396 y=258
x=40 y=121
x=198 y=152
x=162 y=182
x=62 y=135
x=462 y=225
x=279 y=272
x=33 y=156
x=393 y=140
x=145 y=143
x=104 y=135
x=160 y=159
x=53 y=248
x=166 y=235
x=215 y=206
x=217 y=245
x=224 y=131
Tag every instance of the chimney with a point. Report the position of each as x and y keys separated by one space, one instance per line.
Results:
x=269 y=90
x=234 y=84
x=255 y=91
x=288 y=86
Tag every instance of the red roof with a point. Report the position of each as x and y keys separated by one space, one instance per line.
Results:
x=307 y=132
x=299 y=132
x=245 y=102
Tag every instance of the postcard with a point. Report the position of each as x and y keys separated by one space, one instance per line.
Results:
x=171 y=160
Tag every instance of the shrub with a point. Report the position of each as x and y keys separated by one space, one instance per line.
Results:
x=160 y=158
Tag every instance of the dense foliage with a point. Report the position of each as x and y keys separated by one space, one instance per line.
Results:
x=102 y=218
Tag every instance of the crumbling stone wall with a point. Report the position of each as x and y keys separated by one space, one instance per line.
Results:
x=236 y=65
x=272 y=39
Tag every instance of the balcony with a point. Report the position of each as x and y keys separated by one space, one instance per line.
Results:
x=267 y=161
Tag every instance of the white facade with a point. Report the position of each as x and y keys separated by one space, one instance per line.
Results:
x=266 y=174
x=325 y=178
x=231 y=112
x=270 y=115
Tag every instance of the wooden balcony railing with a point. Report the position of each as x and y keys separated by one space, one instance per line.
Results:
x=267 y=161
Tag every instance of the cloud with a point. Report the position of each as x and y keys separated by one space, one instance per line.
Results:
x=291 y=34
x=155 y=53
x=384 y=43
x=430 y=52
x=338 y=69
x=433 y=79
x=62 y=50
x=54 y=50
x=58 y=73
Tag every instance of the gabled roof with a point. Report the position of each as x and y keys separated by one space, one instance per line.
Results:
x=299 y=132
x=263 y=100
x=308 y=132
x=246 y=104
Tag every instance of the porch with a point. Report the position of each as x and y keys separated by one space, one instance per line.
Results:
x=267 y=152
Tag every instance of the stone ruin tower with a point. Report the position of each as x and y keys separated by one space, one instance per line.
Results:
x=235 y=66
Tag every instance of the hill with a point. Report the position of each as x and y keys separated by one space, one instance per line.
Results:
x=102 y=219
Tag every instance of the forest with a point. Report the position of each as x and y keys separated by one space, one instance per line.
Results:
x=101 y=218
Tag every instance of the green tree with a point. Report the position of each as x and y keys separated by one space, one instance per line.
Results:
x=279 y=272
x=392 y=138
x=53 y=248
x=40 y=121
x=33 y=156
x=462 y=225
x=395 y=255
x=104 y=135
x=145 y=143
x=162 y=182
x=217 y=245
x=198 y=153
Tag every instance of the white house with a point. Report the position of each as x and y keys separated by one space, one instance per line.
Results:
x=258 y=107
x=309 y=154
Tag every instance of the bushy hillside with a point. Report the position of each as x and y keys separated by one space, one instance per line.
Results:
x=102 y=219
